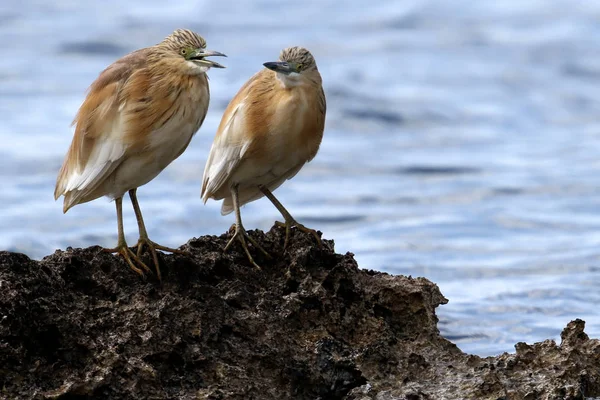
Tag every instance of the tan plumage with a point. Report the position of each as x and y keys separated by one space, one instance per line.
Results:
x=271 y=128
x=139 y=115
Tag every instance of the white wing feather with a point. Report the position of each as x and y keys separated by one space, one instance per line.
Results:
x=225 y=155
x=102 y=161
x=108 y=152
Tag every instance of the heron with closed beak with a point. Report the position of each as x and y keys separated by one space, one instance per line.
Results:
x=138 y=116
x=271 y=128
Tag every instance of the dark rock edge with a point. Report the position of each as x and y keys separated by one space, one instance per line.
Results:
x=310 y=325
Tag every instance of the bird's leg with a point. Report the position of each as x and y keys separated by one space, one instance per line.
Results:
x=144 y=239
x=142 y=228
x=122 y=248
x=289 y=220
x=240 y=233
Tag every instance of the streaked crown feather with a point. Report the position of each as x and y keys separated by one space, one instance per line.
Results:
x=298 y=55
x=183 y=38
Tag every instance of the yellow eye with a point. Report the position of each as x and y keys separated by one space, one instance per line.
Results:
x=300 y=66
x=183 y=52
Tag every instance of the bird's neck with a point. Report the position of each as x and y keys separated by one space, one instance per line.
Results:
x=290 y=81
x=304 y=80
x=191 y=68
x=180 y=67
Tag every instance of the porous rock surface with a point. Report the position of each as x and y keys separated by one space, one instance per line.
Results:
x=79 y=324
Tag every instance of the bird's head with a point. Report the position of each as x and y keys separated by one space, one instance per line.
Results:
x=295 y=65
x=190 y=47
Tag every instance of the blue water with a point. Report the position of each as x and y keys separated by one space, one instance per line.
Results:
x=462 y=142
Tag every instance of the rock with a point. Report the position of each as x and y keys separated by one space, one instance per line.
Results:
x=310 y=325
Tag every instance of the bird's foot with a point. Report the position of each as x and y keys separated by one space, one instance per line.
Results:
x=155 y=246
x=288 y=224
x=241 y=235
x=152 y=247
x=130 y=257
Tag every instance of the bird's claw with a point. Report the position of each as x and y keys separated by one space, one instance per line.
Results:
x=130 y=257
x=145 y=241
x=241 y=235
x=288 y=224
x=152 y=247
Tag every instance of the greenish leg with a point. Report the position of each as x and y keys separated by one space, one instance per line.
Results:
x=144 y=240
x=240 y=233
x=289 y=220
x=122 y=248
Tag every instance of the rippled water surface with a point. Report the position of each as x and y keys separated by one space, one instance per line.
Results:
x=462 y=142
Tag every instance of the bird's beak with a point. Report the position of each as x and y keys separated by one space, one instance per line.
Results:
x=279 y=66
x=199 y=54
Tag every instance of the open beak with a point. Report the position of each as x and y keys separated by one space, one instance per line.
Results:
x=279 y=66
x=198 y=57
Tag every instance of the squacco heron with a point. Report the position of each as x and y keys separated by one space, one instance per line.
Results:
x=138 y=116
x=271 y=128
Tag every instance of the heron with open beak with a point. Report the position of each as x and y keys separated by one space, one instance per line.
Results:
x=271 y=128
x=139 y=115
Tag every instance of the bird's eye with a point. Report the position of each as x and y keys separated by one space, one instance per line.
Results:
x=183 y=52
x=300 y=67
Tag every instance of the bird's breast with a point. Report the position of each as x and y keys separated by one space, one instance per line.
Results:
x=294 y=131
x=185 y=116
x=293 y=137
